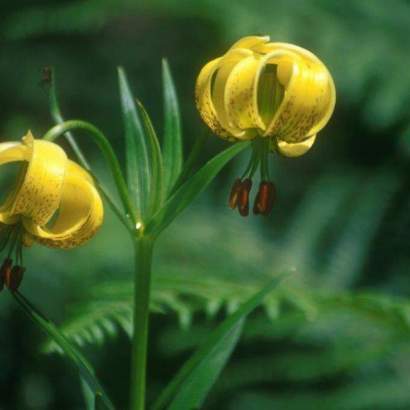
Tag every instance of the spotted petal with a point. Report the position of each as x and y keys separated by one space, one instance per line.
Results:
x=50 y=188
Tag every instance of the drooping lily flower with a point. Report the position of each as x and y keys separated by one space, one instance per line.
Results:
x=53 y=202
x=277 y=94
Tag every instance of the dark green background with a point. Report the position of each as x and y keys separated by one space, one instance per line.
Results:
x=341 y=221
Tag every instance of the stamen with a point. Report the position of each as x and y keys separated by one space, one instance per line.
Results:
x=5 y=271
x=233 y=196
x=239 y=195
x=12 y=242
x=5 y=236
x=15 y=277
x=243 y=198
x=265 y=198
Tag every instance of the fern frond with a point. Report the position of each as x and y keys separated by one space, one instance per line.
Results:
x=368 y=207
x=108 y=308
x=195 y=281
x=381 y=392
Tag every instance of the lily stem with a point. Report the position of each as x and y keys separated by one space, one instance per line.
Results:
x=142 y=283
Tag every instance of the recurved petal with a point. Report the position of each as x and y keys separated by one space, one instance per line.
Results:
x=293 y=149
x=250 y=42
x=241 y=102
x=203 y=97
x=219 y=90
x=38 y=193
x=12 y=152
x=306 y=101
x=309 y=92
x=79 y=216
x=328 y=103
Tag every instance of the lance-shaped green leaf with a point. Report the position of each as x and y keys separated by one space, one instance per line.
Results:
x=190 y=189
x=172 y=141
x=88 y=395
x=58 y=119
x=189 y=387
x=143 y=154
x=156 y=197
x=77 y=359
x=92 y=401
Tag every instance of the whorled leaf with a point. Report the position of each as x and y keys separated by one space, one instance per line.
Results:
x=190 y=189
x=172 y=140
x=143 y=154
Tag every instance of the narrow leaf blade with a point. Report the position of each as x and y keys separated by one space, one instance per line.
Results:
x=196 y=387
x=172 y=142
x=187 y=394
x=157 y=169
x=193 y=187
x=77 y=359
x=142 y=152
x=58 y=119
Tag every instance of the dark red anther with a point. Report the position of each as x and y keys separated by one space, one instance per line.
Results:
x=16 y=276
x=243 y=198
x=264 y=198
x=233 y=197
x=5 y=270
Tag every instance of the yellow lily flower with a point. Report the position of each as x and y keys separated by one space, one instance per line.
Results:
x=275 y=90
x=277 y=93
x=54 y=201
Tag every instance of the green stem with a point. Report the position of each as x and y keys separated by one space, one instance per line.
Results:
x=107 y=151
x=58 y=118
x=142 y=281
x=251 y=163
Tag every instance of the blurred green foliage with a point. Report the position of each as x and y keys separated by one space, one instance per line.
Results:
x=336 y=333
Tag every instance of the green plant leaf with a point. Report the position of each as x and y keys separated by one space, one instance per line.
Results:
x=190 y=189
x=99 y=402
x=58 y=119
x=172 y=142
x=92 y=401
x=88 y=395
x=190 y=386
x=77 y=359
x=143 y=155
x=156 y=197
x=197 y=385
